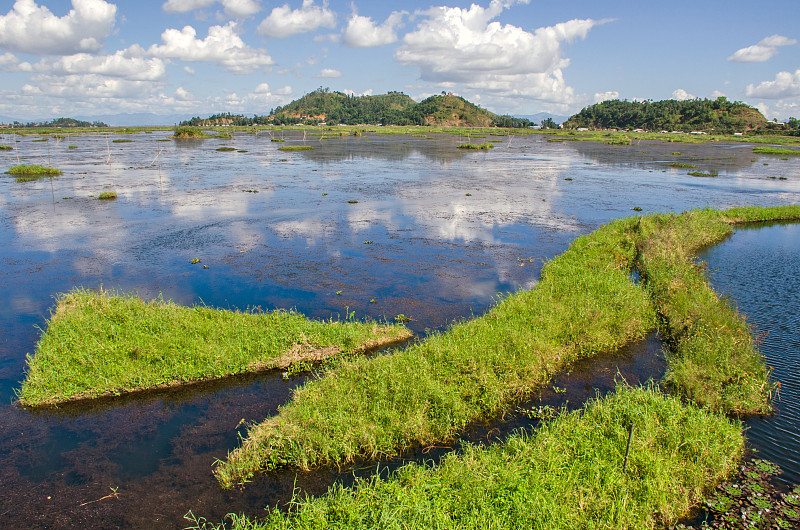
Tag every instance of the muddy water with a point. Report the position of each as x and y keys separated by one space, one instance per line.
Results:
x=447 y=229
x=757 y=268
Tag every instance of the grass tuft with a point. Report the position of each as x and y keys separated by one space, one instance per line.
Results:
x=107 y=196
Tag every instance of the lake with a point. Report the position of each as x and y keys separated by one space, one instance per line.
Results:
x=397 y=224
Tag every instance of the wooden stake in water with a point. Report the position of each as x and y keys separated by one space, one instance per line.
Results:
x=628 y=450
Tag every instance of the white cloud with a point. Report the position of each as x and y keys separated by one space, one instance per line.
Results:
x=222 y=45
x=330 y=73
x=285 y=22
x=600 y=97
x=454 y=45
x=182 y=6
x=233 y=8
x=718 y=94
x=123 y=64
x=362 y=32
x=682 y=95
x=189 y=70
x=87 y=86
x=29 y=28
x=8 y=60
x=785 y=85
x=763 y=51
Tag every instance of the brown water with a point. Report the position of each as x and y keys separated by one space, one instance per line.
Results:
x=450 y=230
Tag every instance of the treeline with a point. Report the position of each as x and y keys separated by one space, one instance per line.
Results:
x=393 y=108
x=61 y=122
x=719 y=115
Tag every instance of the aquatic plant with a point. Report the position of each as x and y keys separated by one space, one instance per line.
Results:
x=189 y=132
x=226 y=149
x=296 y=148
x=107 y=196
x=106 y=343
x=776 y=151
x=702 y=174
x=26 y=173
x=682 y=165
x=486 y=145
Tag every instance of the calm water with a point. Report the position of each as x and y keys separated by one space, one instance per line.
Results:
x=449 y=230
x=759 y=269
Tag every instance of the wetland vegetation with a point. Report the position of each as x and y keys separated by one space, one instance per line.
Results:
x=28 y=172
x=103 y=343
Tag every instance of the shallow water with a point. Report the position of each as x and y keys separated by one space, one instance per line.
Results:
x=757 y=268
x=449 y=230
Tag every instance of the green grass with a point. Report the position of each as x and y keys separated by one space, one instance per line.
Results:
x=72 y=147
x=585 y=303
x=566 y=475
x=121 y=141
x=27 y=173
x=681 y=164
x=107 y=196
x=190 y=132
x=486 y=145
x=101 y=343
x=226 y=149
x=6 y=148
x=702 y=174
x=776 y=151
x=296 y=148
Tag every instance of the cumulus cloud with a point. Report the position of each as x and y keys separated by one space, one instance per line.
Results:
x=330 y=73
x=86 y=86
x=223 y=46
x=234 y=8
x=29 y=28
x=363 y=32
x=682 y=95
x=763 y=51
x=123 y=64
x=285 y=22
x=785 y=85
x=600 y=97
x=455 y=45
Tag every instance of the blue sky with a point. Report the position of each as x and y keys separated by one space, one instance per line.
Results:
x=197 y=57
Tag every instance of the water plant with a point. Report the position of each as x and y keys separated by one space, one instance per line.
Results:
x=72 y=147
x=107 y=196
x=702 y=174
x=486 y=145
x=683 y=165
x=6 y=148
x=106 y=343
x=296 y=148
x=226 y=149
x=776 y=151
x=121 y=141
x=189 y=132
x=26 y=172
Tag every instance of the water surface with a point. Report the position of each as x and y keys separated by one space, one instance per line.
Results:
x=418 y=226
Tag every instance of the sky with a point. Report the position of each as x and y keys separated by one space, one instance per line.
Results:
x=521 y=57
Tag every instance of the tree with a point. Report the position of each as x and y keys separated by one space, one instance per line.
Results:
x=549 y=123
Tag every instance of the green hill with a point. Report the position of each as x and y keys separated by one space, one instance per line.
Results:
x=718 y=115
x=394 y=108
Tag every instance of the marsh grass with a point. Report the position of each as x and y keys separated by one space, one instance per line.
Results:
x=682 y=165
x=28 y=173
x=486 y=145
x=121 y=141
x=296 y=148
x=107 y=196
x=567 y=475
x=6 y=148
x=703 y=174
x=776 y=151
x=226 y=149
x=712 y=360
x=190 y=132
x=585 y=303
x=105 y=343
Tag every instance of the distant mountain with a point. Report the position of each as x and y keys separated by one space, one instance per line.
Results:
x=393 y=108
x=539 y=116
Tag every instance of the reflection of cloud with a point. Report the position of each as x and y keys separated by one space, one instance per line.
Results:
x=312 y=229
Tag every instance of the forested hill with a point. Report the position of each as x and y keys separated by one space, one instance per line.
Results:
x=719 y=115
x=394 y=108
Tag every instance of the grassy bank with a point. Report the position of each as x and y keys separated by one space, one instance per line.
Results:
x=25 y=172
x=101 y=343
x=568 y=474
x=712 y=360
x=585 y=303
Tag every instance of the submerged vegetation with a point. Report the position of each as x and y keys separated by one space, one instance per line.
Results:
x=102 y=343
